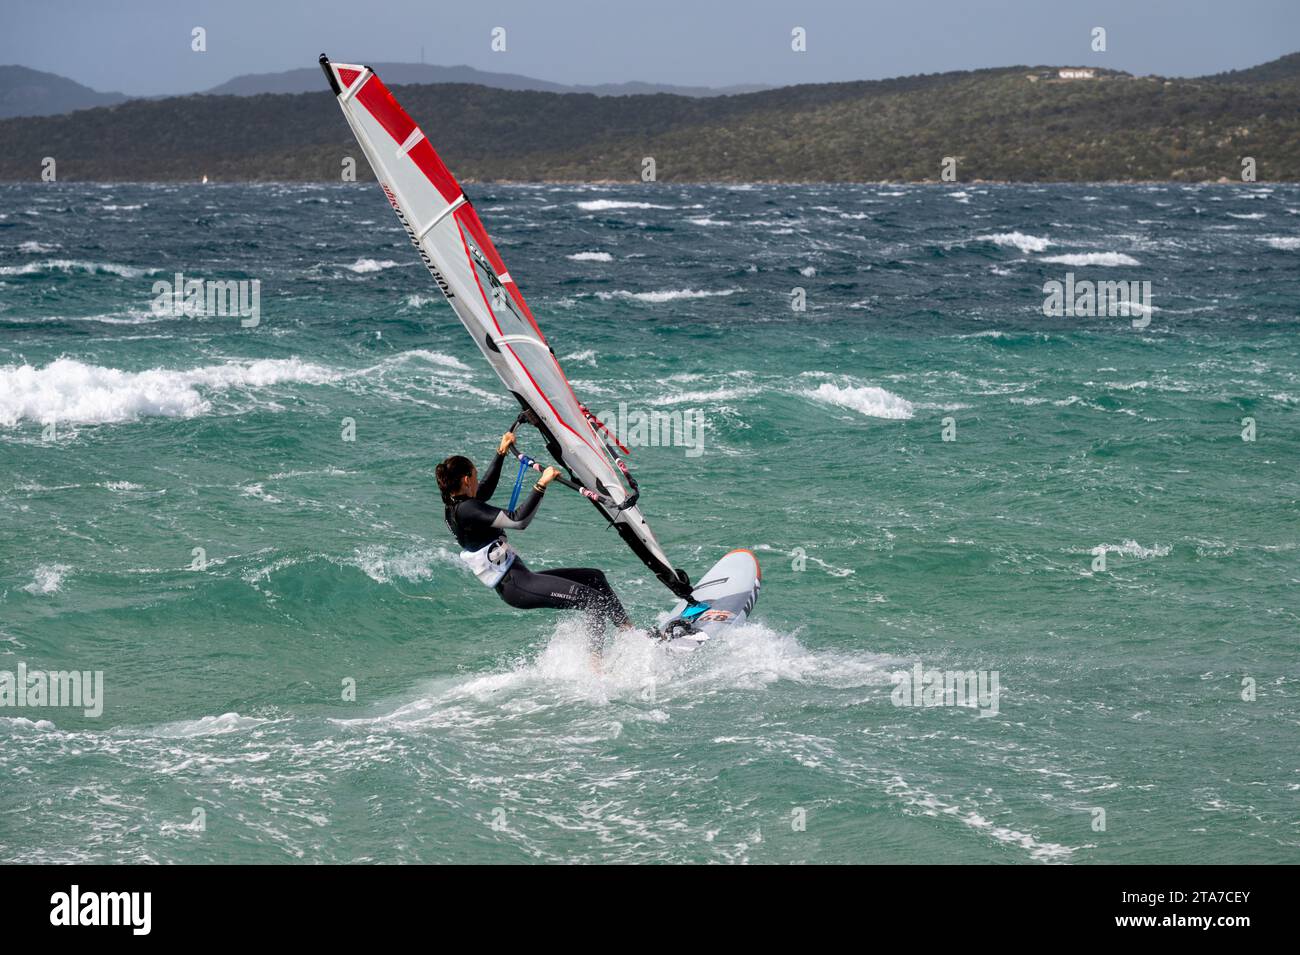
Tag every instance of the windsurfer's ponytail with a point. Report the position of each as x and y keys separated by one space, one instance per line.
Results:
x=451 y=474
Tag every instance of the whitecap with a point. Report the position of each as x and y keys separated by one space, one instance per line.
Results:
x=1019 y=240
x=601 y=205
x=433 y=357
x=36 y=248
x=666 y=295
x=1131 y=548
x=870 y=401
x=206 y=726
x=363 y=266
x=382 y=565
x=1092 y=258
x=587 y=357
x=77 y=265
x=68 y=390
x=48 y=579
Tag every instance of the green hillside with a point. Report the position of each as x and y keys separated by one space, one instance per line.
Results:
x=1019 y=123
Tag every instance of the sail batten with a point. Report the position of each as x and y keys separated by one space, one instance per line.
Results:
x=455 y=247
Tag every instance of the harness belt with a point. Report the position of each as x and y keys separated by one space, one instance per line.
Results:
x=491 y=561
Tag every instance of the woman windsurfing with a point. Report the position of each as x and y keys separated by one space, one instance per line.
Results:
x=479 y=529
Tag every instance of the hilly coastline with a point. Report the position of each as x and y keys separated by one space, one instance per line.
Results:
x=1027 y=124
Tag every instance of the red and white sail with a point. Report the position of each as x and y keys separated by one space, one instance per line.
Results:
x=456 y=249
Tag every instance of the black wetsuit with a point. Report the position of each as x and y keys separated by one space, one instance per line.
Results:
x=475 y=523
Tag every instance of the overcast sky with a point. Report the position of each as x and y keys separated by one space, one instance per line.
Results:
x=142 y=47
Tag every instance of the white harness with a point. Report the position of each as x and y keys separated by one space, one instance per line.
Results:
x=491 y=561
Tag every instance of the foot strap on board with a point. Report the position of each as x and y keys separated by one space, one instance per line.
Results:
x=693 y=611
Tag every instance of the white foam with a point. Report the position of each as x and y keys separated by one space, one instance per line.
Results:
x=77 y=265
x=750 y=656
x=1092 y=258
x=590 y=257
x=929 y=804
x=363 y=266
x=1131 y=548
x=710 y=395
x=23 y=723
x=381 y=565
x=326 y=472
x=871 y=401
x=433 y=357
x=667 y=295
x=600 y=205
x=1018 y=240
x=68 y=390
x=1288 y=243
x=259 y=492
x=206 y=726
x=36 y=248
x=130 y=316
x=48 y=579
x=829 y=568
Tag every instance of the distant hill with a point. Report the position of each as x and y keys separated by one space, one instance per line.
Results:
x=25 y=92
x=307 y=80
x=1016 y=123
x=1280 y=70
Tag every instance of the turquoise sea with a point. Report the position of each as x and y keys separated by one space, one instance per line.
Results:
x=1147 y=711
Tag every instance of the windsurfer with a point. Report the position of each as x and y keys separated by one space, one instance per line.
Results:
x=479 y=529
